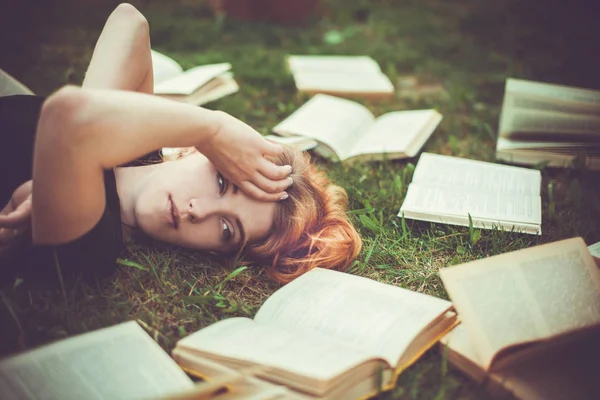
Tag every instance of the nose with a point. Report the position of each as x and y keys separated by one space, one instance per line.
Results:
x=199 y=211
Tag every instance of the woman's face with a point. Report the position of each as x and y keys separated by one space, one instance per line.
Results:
x=188 y=203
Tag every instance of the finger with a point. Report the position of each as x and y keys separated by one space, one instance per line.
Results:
x=271 y=149
x=273 y=171
x=20 y=216
x=270 y=185
x=255 y=192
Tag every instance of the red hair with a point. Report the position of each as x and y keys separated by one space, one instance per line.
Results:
x=310 y=229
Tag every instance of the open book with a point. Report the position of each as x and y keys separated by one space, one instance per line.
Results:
x=530 y=321
x=340 y=75
x=198 y=85
x=117 y=362
x=327 y=334
x=348 y=130
x=450 y=189
x=547 y=123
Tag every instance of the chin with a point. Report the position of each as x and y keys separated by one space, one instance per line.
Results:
x=149 y=226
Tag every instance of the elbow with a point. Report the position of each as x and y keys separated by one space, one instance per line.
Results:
x=62 y=118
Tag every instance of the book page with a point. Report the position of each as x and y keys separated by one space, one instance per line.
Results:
x=119 y=362
x=164 y=67
x=381 y=319
x=443 y=200
x=339 y=74
x=533 y=157
x=330 y=120
x=395 y=132
x=436 y=169
x=257 y=389
x=309 y=355
x=549 y=126
x=553 y=91
x=188 y=82
x=318 y=63
x=458 y=347
x=515 y=101
x=525 y=295
x=567 y=147
x=343 y=82
x=249 y=388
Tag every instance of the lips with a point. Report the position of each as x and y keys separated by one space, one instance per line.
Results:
x=173 y=213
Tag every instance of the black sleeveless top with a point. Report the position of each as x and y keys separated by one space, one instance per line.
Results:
x=94 y=254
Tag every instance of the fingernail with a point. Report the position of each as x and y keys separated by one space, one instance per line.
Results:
x=290 y=169
x=291 y=181
x=284 y=196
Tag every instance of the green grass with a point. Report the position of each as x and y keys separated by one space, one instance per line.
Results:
x=468 y=47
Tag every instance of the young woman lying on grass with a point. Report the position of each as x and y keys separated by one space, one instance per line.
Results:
x=228 y=191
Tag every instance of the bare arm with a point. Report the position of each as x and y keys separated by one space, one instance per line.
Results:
x=82 y=132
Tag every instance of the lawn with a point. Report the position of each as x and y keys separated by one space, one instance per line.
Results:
x=468 y=46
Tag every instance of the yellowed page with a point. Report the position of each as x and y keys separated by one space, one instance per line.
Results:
x=395 y=132
x=310 y=355
x=381 y=319
x=526 y=295
x=336 y=122
x=119 y=362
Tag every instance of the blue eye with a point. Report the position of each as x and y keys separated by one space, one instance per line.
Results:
x=222 y=182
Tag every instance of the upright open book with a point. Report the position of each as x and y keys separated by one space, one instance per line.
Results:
x=548 y=123
x=450 y=189
x=530 y=321
x=347 y=130
x=327 y=334
x=198 y=85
